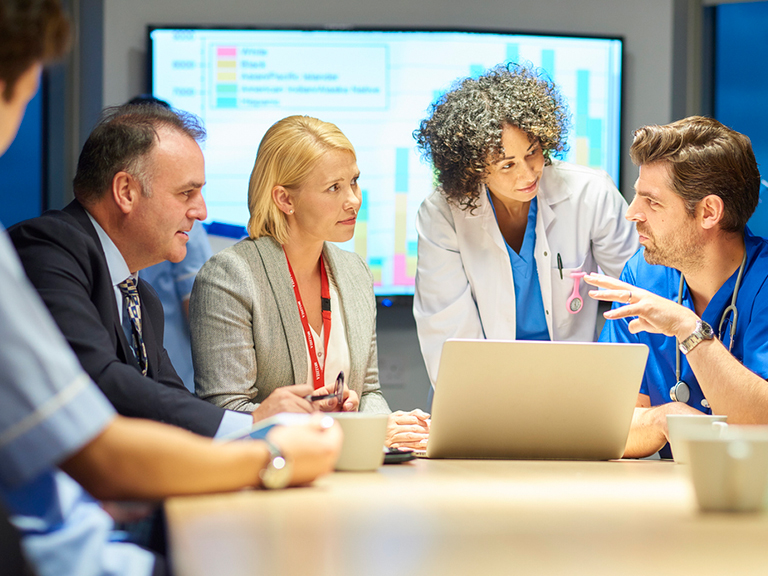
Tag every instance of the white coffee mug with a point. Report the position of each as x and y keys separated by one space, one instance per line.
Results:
x=364 y=436
x=730 y=473
x=681 y=426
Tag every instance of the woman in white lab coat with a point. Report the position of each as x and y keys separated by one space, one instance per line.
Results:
x=508 y=224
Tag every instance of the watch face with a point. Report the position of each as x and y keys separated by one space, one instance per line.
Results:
x=277 y=474
x=703 y=332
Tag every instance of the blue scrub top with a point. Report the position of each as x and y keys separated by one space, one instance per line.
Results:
x=50 y=409
x=531 y=323
x=750 y=346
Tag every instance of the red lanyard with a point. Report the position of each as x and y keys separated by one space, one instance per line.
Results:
x=318 y=371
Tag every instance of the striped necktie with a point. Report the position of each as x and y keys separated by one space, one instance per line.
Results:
x=133 y=306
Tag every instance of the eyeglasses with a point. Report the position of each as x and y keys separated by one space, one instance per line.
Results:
x=335 y=398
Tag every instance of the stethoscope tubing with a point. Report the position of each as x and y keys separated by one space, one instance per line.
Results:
x=730 y=309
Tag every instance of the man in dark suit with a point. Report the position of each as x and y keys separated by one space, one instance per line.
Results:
x=53 y=419
x=137 y=194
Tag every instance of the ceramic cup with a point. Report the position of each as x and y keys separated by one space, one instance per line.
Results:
x=681 y=426
x=730 y=472
x=364 y=436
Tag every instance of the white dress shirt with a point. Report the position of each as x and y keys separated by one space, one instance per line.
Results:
x=118 y=271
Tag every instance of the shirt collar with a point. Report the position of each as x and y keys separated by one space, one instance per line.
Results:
x=118 y=269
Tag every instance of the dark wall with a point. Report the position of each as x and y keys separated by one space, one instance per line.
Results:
x=741 y=84
x=21 y=169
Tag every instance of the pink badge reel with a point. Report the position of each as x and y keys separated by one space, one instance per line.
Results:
x=575 y=301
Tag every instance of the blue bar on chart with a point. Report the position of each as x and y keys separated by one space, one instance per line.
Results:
x=548 y=62
x=513 y=52
x=476 y=70
x=589 y=131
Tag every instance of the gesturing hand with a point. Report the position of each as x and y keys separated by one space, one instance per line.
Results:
x=651 y=312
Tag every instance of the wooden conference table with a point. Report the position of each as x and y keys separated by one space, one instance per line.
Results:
x=471 y=517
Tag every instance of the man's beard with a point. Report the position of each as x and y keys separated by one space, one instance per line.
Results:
x=680 y=250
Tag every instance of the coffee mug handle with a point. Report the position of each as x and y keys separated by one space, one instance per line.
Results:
x=721 y=428
x=738 y=453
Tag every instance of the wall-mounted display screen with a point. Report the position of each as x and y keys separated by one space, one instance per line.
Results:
x=376 y=86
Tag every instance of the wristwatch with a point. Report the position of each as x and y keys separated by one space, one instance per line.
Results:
x=277 y=473
x=703 y=332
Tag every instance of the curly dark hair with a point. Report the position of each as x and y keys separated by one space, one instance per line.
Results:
x=463 y=131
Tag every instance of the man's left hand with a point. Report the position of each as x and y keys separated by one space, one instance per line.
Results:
x=652 y=312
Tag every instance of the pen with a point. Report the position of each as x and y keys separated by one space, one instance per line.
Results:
x=560 y=265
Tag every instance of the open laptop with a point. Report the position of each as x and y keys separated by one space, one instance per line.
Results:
x=534 y=400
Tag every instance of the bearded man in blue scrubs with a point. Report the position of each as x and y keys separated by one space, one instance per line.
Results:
x=696 y=293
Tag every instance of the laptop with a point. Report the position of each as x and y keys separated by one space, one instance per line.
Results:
x=534 y=400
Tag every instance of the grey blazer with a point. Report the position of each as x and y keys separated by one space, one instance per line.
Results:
x=247 y=338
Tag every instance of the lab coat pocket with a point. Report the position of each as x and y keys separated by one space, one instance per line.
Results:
x=569 y=294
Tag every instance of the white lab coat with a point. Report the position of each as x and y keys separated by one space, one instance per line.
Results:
x=464 y=286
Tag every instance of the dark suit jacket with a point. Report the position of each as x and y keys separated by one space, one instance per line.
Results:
x=63 y=258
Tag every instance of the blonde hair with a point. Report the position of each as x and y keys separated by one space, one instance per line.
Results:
x=287 y=155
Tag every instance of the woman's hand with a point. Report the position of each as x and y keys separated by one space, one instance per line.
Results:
x=408 y=430
x=350 y=401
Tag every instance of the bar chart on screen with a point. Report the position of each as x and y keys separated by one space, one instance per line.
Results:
x=376 y=86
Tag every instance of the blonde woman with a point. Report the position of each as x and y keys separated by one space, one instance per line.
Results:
x=278 y=317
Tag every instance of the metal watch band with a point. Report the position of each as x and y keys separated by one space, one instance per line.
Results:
x=277 y=473
x=702 y=332
x=274 y=451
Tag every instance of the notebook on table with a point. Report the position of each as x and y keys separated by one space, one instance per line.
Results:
x=534 y=400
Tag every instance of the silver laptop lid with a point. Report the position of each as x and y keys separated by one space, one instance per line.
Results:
x=534 y=400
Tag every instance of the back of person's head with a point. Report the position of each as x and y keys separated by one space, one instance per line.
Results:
x=704 y=157
x=122 y=141
x=148 y=99
x=287 y=154
x=31 y=31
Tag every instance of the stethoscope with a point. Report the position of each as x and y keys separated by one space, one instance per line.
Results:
x=681 y=392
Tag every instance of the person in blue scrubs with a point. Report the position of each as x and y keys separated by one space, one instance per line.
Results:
x=61 y=443
x=696 y=293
